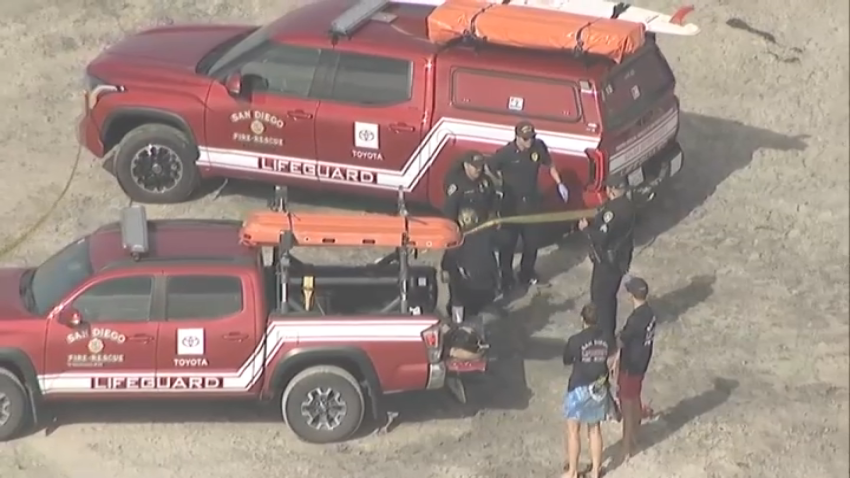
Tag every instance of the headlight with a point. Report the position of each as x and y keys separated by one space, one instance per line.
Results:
x=95 y=88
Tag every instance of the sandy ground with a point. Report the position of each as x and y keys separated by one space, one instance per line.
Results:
x=748 y=258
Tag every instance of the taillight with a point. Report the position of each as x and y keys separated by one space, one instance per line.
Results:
x=596 y=161
x=433 y=339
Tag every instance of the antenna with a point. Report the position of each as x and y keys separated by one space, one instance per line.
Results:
x=353 y=18
x=134 y=230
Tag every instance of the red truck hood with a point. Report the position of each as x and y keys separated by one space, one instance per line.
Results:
x=11 y=305
x=180 y=46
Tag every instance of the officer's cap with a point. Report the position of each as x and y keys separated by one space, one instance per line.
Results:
x=616 y=182
x=637 y=287
x=525 y=130
x=474 y=158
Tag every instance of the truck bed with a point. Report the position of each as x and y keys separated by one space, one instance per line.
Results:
x=370 y=289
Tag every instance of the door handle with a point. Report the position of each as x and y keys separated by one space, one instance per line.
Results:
x=235 y=336
x=402 y=128
x=299 y=114
x=144 y=338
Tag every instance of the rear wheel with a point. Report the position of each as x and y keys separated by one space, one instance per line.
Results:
x=323 y=404
x=14 y=405
x=155 y=163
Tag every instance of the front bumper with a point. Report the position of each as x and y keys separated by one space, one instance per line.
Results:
x=88 y=135
x=646 y=180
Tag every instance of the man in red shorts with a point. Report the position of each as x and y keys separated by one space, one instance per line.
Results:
x=636 y=341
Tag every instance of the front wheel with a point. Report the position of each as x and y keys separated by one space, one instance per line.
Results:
x=323 y=404
x=155 y=164
x=14 y=405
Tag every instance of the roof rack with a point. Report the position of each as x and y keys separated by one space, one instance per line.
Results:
x=654 y=21
x=324 y=229
x=355 y=17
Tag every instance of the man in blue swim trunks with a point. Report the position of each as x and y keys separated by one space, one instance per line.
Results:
x=587 y=401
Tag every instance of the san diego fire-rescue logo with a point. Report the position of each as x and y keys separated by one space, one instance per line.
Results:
x=97 y=339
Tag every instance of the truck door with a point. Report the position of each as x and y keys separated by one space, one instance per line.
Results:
x=269 y=131
x=370 y=122
x=114 y=347
x=208 y=339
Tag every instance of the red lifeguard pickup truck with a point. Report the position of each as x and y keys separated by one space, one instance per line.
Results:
x=352 y=96
x=189 y=309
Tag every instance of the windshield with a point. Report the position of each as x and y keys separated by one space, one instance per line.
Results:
x=259 y=37
x=633 y=88
x=60 y=274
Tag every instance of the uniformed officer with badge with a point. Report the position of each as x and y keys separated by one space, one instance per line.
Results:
x=518 y=164
x=611 y=234
x=470 y=270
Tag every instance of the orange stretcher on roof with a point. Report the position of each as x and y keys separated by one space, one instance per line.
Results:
x=264 y=228
x=524 y=27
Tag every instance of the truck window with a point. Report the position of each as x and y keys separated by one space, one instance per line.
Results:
x=56 y=277
x=125 y=299
x=632 y=88
x=371 y=80
x=286 y=70
x=196 y=297
x=515 y=95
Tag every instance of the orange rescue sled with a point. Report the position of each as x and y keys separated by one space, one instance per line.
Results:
x=525 y=27
x=263 y=228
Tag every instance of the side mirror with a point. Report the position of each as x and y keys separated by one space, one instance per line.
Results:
x=70 y=316
x=233 y=84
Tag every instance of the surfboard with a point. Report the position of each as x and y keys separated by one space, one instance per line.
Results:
x=654 y=21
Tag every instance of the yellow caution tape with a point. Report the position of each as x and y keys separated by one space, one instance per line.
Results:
x=540 y=218
x=11 y=246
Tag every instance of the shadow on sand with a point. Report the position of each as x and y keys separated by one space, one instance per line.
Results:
x=714 y=149
x=673 y=305
x=674 y=418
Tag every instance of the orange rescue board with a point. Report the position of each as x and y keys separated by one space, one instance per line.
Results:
x=525 y=27
x=375 y=230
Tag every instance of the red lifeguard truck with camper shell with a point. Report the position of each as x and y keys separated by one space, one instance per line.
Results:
x=190 y=309
x=370 y=96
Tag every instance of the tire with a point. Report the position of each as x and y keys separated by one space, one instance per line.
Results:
x=13 y=393
x=173 y=139
x=298 y=391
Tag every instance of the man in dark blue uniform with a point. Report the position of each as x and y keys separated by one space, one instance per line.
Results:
x=611 y=234
x=517 y=165
x=470 y=270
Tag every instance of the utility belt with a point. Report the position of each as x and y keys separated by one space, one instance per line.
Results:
x=613 y=258
x=520 y=204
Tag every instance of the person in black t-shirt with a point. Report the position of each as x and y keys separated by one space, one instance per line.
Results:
x=587 y=400
x=636 y=340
